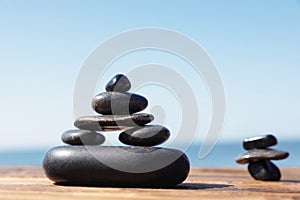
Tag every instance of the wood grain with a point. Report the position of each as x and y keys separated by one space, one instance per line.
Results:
x=203 y=183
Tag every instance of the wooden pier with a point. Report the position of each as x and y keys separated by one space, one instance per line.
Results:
x=203 y=183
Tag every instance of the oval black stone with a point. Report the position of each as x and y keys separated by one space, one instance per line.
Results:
x=261 y=154
x=150 y=135
x=82 y=137
x=115 y=103
x=264 y=170
x=119 y=83
x=112 y=122
x=116 y=166
x=259 y=142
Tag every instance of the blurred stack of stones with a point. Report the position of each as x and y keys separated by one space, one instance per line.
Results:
x=259 y=155
x=140 y=164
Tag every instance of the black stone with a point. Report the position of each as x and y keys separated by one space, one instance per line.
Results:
x=149 y=135
x=116 y=166
x=119 y=83
x=82 y=137
x=115 y=103
x=112 y=122
x=264 y=170
x=259 y=142
x=261 y=154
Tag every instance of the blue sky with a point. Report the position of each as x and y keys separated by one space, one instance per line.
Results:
x=254 y=44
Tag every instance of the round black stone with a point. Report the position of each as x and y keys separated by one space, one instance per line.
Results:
x=112 y=122
x=259 y=142
x=82 y=137
x=261 y=154
x=119 y=83
x=116 y=166
x=116 y=103
x=149 y=135
x=264 y=170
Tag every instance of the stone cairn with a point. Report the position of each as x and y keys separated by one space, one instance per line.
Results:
x=138 y=165
x=259 y=155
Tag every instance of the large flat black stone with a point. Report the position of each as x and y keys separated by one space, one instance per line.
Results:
x=112 y=122
x=116 y=166
x=261 y=154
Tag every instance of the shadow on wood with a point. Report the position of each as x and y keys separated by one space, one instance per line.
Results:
x=184 y=186
x=200 y=186
x=290 y=181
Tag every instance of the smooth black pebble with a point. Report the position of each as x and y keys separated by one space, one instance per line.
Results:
x=259 y=142
x=149 y=135
x=261 y=154
x=112 y=122
x=119 y=83
x=116 y=103
x=82 y=137
x=116 y=166
x=264 y=170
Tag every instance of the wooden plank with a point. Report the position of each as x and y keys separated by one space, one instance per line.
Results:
x=203 y=183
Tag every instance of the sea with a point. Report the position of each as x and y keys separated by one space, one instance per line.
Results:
x=222 y=155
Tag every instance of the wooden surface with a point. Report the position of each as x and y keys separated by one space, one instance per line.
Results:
x=233 y=183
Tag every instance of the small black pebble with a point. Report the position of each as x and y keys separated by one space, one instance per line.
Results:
x=264 y=170
x=119 y=83
x=259 y=142
x=82 y=137
x=149 y=135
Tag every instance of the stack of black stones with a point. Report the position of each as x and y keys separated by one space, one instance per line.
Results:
x=259 y=155
x=138 y=165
